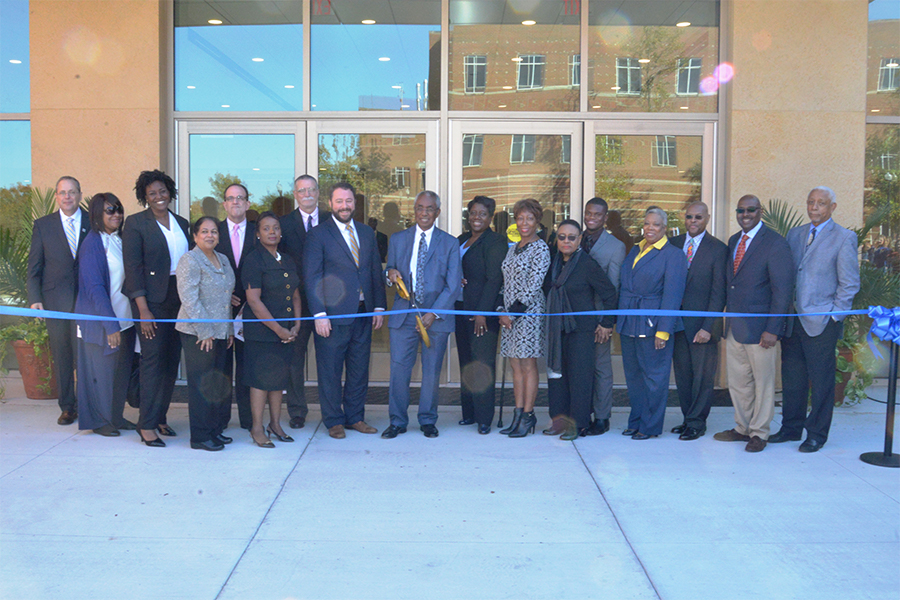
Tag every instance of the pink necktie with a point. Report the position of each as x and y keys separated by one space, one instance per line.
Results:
x=236 y=244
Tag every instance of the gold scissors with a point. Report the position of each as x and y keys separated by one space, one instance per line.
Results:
x=404 y=293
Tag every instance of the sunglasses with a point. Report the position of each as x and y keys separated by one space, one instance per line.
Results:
x=693 y=217
x=111 y=210
x=567 y=238
x=751 y=210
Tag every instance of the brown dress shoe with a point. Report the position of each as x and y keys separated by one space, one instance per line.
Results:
x=337 y=432
x=756 y=444
x=731 y=436
x=362 y=427
x=67 y=417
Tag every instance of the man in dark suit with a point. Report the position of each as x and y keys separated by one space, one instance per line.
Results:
x=342 y=274
x=380 y=238
x=609 y=252
x=237 y=237
x=759 y=279
x=294 y=228
x=53 y=283
x=826 y=280
x=696 y=347
x=427 y=259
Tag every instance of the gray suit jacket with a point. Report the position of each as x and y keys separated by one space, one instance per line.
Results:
x=609 y=252
x=827 y=273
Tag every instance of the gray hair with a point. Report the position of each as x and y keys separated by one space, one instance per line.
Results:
x=829 y=193
x=306 y=176
x=432 y=195
x=659 y=213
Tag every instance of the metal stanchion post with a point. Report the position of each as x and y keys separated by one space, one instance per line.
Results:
x=887 y=458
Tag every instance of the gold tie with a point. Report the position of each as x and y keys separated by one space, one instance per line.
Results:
x=354 y=247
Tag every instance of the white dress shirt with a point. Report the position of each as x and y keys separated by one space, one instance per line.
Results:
x=176 y=241
x=314 y=215
x=112 y=243
x=414 y=260
x=750 y=235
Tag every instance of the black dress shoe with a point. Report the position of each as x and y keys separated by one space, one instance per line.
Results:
x=484 y=429
x=67 y=417
x=810 y=445
x=679 y=429
x=642 y=436
x=691 y=434
x=126 y=425
x=107 y=431
x=166 y=430
x=209 y=445
x=297 y=422
x=467 y=422
x=223 y=439
x=598 y=427
x=629 y=432
x=782 y=436
x=429 y=430
x=392 y=432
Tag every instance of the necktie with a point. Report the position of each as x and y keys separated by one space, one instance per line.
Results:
x=71 y=236
x=420 y=267
x=812 y=237
x=690 y=252
x=236 y=244
x=354 y=247
x=308 y=222
x=739 y=255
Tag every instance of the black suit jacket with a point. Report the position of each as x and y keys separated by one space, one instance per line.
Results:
x=250 y=242
x=584 y=285
x=52 y=272
x=764 y=283
x=705 y=287
x=293 y=239
x=482 y=270
x=146 y=255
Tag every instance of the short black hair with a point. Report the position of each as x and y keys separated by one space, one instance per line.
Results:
x=95 y=210
x=195 y=228
x=146 y=178
x=571 y=222
x=598 y=201
x=489 y=203
x=267 y=214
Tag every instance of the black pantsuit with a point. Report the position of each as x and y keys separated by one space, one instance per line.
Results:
x=808 y=362
x=209 y=387
x=64 y=350
x=296 y=390
x=478 y=368
x=572 y=394
x=160 y=356
x=695 y=374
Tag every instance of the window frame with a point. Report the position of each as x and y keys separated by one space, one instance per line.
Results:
x=532 y=67
x=522 y=148
x=687 y=68
x=628 y=68
x=665 y=154
x=477 y=142
x=889 y=77
x=478 y=66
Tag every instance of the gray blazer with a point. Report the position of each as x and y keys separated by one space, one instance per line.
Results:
x=827 y=273
x=609 y=252
x=205 y=293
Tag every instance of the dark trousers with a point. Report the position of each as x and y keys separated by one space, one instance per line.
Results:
x=103 y=382
x=477 y=370
x=572 y=394
x=808 y=362
x=347 y=346
x=209 y=388
x=647 y=377
x=296 y=390
x=63 y=349
x=695 y=373
x=234 y=365
x=160 y=356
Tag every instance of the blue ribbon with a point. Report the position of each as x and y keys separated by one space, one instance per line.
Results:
x=885 y=326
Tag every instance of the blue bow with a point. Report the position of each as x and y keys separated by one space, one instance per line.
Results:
x=885 y=326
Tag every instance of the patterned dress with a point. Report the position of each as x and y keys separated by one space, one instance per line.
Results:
x=523 y=277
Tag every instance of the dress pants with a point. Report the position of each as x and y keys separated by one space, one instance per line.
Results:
x=603 y=380
x=160 y=357
x=478 y=370
x=296 y=392
x=809 y=362
x=347 y=346
x=64 y=350
x=751 y=383
x=405 y=342
x=647 y=376
x=234 y=364
x=570 y=395
x=695 y=373
x=209 y=388
x=103 y=382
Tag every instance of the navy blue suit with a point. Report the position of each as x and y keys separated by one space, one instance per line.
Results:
x=333 y=284
x=656 y=282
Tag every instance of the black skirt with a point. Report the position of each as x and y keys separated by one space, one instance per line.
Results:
x=267 y=365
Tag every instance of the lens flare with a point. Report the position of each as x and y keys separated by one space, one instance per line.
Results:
x=724 y=73
x=708 y=86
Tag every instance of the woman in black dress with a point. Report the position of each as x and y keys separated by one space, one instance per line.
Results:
x=482 y=252
x=271 y=281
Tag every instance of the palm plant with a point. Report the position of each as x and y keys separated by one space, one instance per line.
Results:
x=781 y=216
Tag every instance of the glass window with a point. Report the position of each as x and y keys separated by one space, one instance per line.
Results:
x=264 y=163
x=530 y=47
x=15 y=78
x=476 y=74
x=375 y=55
x=566 y=156
x=883 y=63
x=888 y=74
x=400 y=177
x=522 y=149
x=240 y=55
x=575 y=70
x=15 y=154
x=472 y=146
x=664 y=151
x=666 y=56
x=882 y=191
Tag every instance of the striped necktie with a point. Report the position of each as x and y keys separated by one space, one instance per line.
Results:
x=420 y=267
x=354 y=246
x=739 y=255
x=71 y=236
x=812 y=237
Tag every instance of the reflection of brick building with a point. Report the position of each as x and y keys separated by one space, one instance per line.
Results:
x=883 y=69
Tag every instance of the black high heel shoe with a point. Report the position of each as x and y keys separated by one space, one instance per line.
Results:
x=280 y=438
x=266 y=444
x=517 y=416
x=154 y=443
x=166 y=430
x=526 y=423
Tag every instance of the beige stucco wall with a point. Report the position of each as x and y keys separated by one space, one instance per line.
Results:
x=797 y=102
x=95 y=99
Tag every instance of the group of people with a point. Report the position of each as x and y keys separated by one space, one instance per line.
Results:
x=241 y=300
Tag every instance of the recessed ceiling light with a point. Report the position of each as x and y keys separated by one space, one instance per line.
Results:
x=288 y=87
x=257 y=59
x=192 y=87
x=643 y=61
x=313 y=105
x=385 y=58
x=397 y=87
x=507 y=87
x=683 y=24
x=15 y=61
x=368 y=21
x=226 y=106
x=615 y=88
x=502 y=106
x=404 y=106
x=876 y=110
x=890 y=64
x=683 y=107
x=529 y=22
x=596 y=106
x=214 y=22
x=516 y=59
x=255 y=168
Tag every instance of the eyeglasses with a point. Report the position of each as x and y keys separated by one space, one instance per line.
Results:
x=235 y=198
x=749 y=209
x=65 y=193
x=306 y=191
x=111 y=210
x=693 y=217
x=426 y=209
x=567 y=238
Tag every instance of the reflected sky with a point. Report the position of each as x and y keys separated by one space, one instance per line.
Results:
x=15 y=156
x=884 y=9
x=14 y=76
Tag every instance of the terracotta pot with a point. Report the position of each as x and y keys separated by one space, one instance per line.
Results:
x=37 y=374
x=841 y=386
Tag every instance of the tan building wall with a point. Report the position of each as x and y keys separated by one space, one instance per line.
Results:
x=97 y=93
x=797 y=103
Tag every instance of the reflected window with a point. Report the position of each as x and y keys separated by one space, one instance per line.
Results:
x=628 y=76
x=575 y=70
x=472 y=146
x=566 y=155
x=531 y=71
x=522 y=149
x=883 y=59
x=15 y=77
x=880 y=192
x=888 y=74
x=15 y=154
x=476 y=74
x=609 y=150
x=400 y=177
x=664 y=151
x=689 y=76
